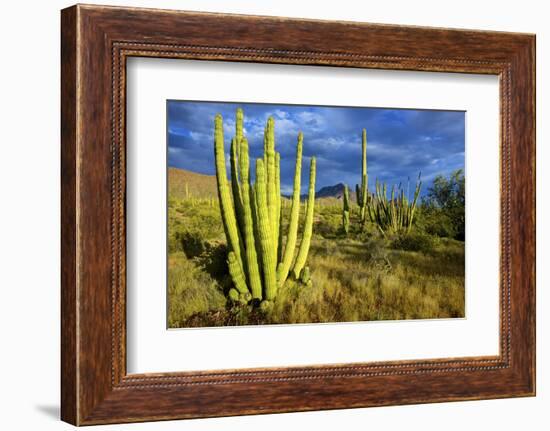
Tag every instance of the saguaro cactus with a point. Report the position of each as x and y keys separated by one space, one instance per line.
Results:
x=362 y=193
x=252 y=217
x=345 y=210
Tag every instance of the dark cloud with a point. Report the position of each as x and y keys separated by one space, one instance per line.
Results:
x=401 y=142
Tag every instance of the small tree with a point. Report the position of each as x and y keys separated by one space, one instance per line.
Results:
x=448 y=196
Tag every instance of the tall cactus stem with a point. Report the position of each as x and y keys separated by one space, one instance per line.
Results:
x=265 y=231
x=364 y=178
x=235 y=184
x=308 y=223
x=237 y=275
x=254 y=208
x=277 y=219
x=224 y=197
x=270 y=171
x=239 y=119
x=345 y=210
x=254 y=278
x=290 y=247
x=280 y=242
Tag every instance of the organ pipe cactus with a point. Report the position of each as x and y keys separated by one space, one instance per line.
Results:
x=288 y=255
x=361 y=192
x=251 y=215
x=265 y=230
x=396 y=214
x=240 y=292
x=305 y=277
x=248 y=195
x=229 y=220
x=308 y=223
x=345 y=210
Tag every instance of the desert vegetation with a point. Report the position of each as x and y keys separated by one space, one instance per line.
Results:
x=240 y=253
x=251 y=217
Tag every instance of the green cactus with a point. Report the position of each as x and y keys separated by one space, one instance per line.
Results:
x=392 y=215
x=308 y=223
x=226 y=204
x=233 y=295
x=248 y=229
x=277 y=215
x=266 y=233
x=345 y=210
x=305 y=277
x=396 y=214
x=235 y=184
x=252 y=218
x=290 y=248
x=362 y=193
x=236 y=273
x=270 y=166
x=239 y=119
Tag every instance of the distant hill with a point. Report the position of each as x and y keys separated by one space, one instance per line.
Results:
x=204 y=186
x=199 y=185
x=336 y=191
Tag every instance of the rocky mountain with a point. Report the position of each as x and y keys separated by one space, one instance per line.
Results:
x=335 y=191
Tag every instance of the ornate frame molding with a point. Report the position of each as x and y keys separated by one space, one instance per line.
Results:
x=96 y=41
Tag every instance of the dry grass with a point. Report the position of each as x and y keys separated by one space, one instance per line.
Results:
x=184 y=184
x=360 y=277
x=191 y=290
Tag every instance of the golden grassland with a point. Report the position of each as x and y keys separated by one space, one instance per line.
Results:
x=184 y=184
x=361 y=276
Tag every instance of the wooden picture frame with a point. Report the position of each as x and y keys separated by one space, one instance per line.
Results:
x=95 y=43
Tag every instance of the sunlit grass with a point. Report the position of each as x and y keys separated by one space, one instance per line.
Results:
x=359 y=277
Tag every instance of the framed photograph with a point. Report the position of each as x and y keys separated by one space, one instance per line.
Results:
x=264 y=215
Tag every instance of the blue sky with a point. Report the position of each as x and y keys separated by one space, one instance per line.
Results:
x=401 y=142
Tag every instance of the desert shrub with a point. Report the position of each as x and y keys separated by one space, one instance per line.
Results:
x=367 y=232
x=447 y=195
x=329 y=223
x=414 y=241
x=377 y=253
x=214 y=259
x=191 y=243
x=436 y=222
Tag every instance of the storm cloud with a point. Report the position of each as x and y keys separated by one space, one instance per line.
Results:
x=401 y=142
